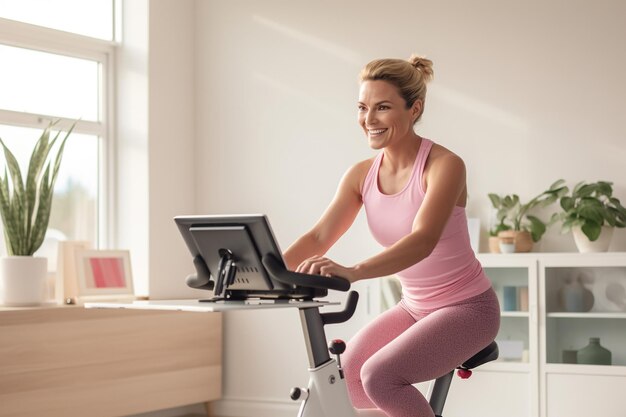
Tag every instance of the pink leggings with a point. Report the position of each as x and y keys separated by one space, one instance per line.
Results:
x=400 y=348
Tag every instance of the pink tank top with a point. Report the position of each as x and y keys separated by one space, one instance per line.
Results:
x=451 y=273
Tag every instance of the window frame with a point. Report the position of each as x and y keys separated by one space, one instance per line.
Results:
x=39 y=38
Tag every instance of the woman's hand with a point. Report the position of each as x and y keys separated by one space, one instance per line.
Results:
x=319 y=265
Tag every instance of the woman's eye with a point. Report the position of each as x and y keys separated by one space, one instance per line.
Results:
x=383 y=107
x=361 y=108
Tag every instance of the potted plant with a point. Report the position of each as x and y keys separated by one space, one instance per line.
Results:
x=515 y=221
x=498 y=204
x=25 y=204
x=591 y=213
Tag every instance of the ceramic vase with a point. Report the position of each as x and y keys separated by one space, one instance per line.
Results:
x=24 y=280
x=494 y=244
x=507 y=245
x=594 y=353
x=575 y=298
x=601 y=244
x=523 y=240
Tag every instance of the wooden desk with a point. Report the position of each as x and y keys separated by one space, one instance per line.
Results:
x=67 y=360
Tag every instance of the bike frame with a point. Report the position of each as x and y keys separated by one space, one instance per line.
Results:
x=327 y=394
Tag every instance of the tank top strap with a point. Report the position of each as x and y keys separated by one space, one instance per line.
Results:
x=371 y=179
x=422 y=156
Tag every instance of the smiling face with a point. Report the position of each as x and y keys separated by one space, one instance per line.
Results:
x=383 y=114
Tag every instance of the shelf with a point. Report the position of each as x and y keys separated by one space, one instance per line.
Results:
x=523 y=314
x=504 y=366
x=559 y=368
x=548 y=330
x=608 y=315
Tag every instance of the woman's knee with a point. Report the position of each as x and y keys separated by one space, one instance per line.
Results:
x=377 y=376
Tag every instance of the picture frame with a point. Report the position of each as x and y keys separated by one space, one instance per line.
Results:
x=66 y=280
x=104 y=274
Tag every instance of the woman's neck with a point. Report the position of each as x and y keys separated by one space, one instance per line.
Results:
x=402 y=155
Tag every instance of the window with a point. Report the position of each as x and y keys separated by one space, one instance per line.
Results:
x=92 y=18
x=57 y=64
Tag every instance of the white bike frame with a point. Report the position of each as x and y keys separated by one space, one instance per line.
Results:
x=327 y=395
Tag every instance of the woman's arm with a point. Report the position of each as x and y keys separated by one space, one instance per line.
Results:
x=446 y=183
x=335 y=221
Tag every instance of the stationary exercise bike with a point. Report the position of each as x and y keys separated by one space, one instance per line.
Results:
x=243 y=249
x=327 y=393
x=238 y=259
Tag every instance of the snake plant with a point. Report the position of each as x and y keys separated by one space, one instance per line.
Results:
x=25 y=206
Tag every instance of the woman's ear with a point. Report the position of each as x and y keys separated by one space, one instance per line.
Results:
x=416 y=109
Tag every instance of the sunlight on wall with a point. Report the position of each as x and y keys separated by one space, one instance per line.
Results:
x=479 y=108
x=344 y=54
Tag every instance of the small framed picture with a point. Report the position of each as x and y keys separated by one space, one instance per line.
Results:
x=66 y=289
x=104 y=273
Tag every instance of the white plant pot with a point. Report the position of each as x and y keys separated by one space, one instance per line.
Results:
x=599 y=245
x=23 y=280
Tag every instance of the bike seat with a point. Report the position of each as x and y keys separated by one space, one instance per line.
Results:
x=488 y=354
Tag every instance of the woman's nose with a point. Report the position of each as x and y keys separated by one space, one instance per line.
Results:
x=370 y=117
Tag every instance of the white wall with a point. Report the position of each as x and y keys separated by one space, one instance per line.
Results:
x=526 y=93
x=172 y=141
x=156 y=142
x=130 y=206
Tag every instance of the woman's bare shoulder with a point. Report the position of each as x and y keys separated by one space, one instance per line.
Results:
x=356 y=173
x=364 y=165
x=442 y=155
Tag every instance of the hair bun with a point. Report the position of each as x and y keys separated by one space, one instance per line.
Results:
x=424 y=65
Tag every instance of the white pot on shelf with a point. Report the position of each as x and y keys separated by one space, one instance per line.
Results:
x=601 y=244
x=23 y=280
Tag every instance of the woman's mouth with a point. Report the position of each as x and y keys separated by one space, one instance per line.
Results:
x=376 y=132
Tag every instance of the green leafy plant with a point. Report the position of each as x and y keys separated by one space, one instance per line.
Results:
x=500 y=205
x=25 y=206
x=513 y=215
x=591 y=206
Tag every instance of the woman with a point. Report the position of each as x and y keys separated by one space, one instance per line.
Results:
x=414 y=193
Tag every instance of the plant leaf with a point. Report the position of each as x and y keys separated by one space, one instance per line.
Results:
x=592 y=230
x=567 y=203
x=37 y=161
x=10 y=232
x=40 y=223
x=605 y=188
x=17 y=200
x=495 y=200
x=537 y=227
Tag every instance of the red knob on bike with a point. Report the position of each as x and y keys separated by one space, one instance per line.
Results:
x=337 y=347
x=464 y=373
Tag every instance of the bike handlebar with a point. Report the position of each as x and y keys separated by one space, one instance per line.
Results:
x=281 y=274
x=346 y=313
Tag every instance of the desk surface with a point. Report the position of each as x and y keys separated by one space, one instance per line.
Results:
x=202 y=306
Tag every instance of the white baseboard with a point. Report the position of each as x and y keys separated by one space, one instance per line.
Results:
x=246 y=407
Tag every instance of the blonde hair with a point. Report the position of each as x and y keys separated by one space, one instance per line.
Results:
x=408 y=76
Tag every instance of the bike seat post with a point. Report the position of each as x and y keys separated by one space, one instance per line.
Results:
x=439 y=390
x=439 y=393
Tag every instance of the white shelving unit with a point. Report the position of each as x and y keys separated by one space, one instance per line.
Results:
x=515 y=370
x=547 y=386
x=604 y=274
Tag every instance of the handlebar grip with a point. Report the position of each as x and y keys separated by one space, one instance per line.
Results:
x=345 y=314
x=278 y=271
x=202 y=278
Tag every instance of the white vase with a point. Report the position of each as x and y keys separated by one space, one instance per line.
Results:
x=601 y=244
x=23 y=280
